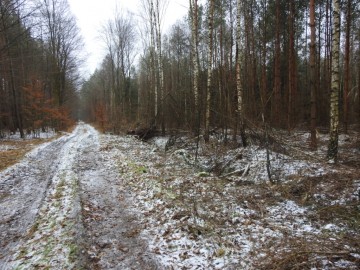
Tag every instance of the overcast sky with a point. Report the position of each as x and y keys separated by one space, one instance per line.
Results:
x=91 y=14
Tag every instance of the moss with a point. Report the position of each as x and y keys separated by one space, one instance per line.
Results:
x=203 y=174
x=57 y=204
x=47 y=249
x=220 y=252
x=52 y=223
x=59 y=189
x=73 y=252
x=74 y=186
x=139 y=169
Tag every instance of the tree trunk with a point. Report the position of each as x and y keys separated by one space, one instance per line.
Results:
x=313 y=143
x=195 y=60
x=209 y=68
x=264 y=98
x=17 y=107
x=276 y=103
x=14 y=91
x=346 y=67
x=327 y=64
x=240 y=106
x=335 y=85
x=153 y=62
x=358 y=85
x=160 y=64
x=292 y=67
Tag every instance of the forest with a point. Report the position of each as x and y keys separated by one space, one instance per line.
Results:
x=227 y=67
x=246 y=148
x=230 y=66
x=39 y=46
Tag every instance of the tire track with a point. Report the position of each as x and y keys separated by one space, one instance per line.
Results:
x=111 y=227
x=65 y=207
x=23 y=189
x=40 y=203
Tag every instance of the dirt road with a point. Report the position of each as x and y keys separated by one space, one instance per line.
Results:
x=100 y=201
x=64 y=207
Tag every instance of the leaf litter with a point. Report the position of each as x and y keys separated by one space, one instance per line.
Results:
x=182 y=214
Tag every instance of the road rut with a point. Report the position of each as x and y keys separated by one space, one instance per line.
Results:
x=65 y=207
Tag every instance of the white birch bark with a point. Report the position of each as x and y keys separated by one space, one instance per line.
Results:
x=194 y=49
x=335 y=85
x=209 y=68
x=239 y=89
x=160 y=68
x=153 y=57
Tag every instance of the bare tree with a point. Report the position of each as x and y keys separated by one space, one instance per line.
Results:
x=209 y=67
x=120 y=38
x=292 y=75
x=10 y=79
x=107 y=35
x=12 y=36
x=240 y=106
x=154 y=10
x=158 y=12
x=335 y=85
x=276 y=104
x=64 y=42
x=347 y=66
x=313 y=75
x=194 y=19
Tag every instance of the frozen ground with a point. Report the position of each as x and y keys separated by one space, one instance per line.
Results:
x=38 y=134
x=63 y=208
x=93 y=201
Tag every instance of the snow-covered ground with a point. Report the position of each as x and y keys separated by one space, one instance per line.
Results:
x=61 y=209
x=196 y=220
x=94 y=201
x=38 y=134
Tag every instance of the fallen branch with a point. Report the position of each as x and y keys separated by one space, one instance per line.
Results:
x=220 y=168
x=242 y=171
x=239 y=171
x=187 y=158
x=327 y=253
x=143 y=133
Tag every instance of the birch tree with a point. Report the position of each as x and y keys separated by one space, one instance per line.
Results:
x=335 y=84
x=195 y=53
x=153 y=59
x=154 y=11
x=239 y=90
x=120 y=38
x=160 y=5
x=209 y=68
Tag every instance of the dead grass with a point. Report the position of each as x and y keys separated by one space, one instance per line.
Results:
x=227 y=211
x=328 y=197
x=347 y=214
x=18 y=149
x=321 y=194
x=321 y=252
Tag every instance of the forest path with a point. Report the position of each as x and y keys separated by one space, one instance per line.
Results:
x=64 y=207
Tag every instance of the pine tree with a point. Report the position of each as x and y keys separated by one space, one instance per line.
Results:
x=313 y=75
